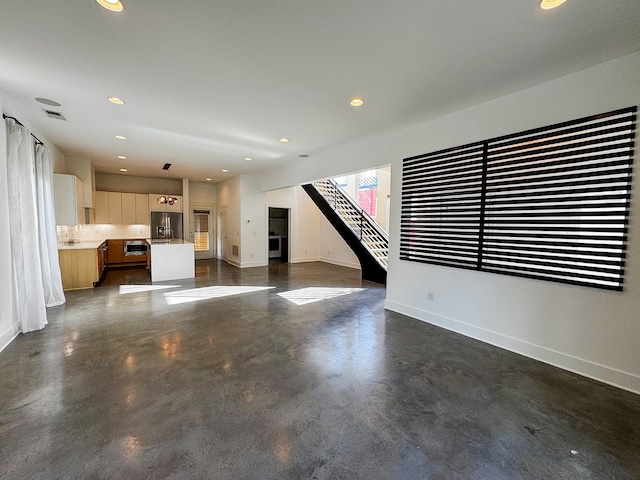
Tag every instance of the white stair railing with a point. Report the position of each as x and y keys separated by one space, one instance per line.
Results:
x=371 y=235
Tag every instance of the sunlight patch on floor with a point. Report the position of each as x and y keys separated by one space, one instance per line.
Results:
x=206 y=293
x=316 y=294
x=124 y=289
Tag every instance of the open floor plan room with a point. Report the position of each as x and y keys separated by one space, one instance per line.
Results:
x=291 y=371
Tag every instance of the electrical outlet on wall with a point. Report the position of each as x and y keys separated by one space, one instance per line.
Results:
x=431 y=296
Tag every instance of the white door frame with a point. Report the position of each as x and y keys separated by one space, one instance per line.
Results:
x=223 y=234
x=288 y=208
x=211 y=253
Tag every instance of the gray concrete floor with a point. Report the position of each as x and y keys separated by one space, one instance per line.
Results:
x=253 y=386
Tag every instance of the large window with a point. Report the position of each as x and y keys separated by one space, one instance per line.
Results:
x=368 y=192
x=550 y=203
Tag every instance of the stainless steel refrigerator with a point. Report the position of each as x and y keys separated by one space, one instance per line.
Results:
x=166 y=226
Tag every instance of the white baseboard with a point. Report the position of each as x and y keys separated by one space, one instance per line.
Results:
x=253 y=264
x=596 y=371
x=304 y=260
x=340 y=263
x=7 y=337
x=235 y=263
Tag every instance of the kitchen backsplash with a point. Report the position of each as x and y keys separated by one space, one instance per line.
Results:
x=100 y=232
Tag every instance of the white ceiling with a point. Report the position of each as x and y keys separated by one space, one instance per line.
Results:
x=208 y=83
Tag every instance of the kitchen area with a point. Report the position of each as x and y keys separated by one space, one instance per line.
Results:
x=279 y=234
x=119 y=230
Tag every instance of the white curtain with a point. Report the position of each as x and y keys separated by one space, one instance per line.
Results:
x=27 y=272
x=51 y=279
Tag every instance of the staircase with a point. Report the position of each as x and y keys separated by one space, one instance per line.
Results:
x=363 y=235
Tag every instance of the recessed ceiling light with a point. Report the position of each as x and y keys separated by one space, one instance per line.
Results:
x=224 y=170
x=123 y=169
x=208 y=179
x=356 y=102
x=122 y=157
x=116 y=100
x=549 y=4
x=284 y=140
x=121 y=137
x=46 y=101
x=248 y=159
x=113 y=5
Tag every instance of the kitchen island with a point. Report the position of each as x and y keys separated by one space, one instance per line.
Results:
x=171 y=260
x=81 y=263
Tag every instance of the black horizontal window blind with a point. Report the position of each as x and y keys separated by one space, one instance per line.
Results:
x=550 y=203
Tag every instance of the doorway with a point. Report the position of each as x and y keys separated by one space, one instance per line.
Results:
x=202 y=231
x=278 y=238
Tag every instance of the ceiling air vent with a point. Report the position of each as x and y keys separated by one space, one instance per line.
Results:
x=52 y=114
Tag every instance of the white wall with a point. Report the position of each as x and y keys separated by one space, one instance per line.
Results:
x=253 y=223
x=228 y=196
x=593 y=332
x=82 y=168
x=59 y=160
x=312 y=237
x=202 y=193
x=111 y=182
x=384 y=190
x=186 y=210
x=303 y=222
x=331 y=247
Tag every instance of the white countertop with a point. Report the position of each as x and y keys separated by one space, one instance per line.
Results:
x=83 y=245
x=157 y=241
x=89 y=244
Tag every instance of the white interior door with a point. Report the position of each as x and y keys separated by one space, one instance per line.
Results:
x=202 y=233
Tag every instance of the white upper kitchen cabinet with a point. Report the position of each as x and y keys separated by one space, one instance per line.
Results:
x=115 y=207
x=102 y=207
x=68 y=194
x=122 y=208
x=128 y=208
x=142 y=209
x=108 y=207
x=135 y=209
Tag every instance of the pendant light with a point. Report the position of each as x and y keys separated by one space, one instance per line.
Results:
x=167 y=199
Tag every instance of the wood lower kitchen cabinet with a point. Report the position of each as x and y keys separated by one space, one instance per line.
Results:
x=117 y=255
x=81 y=267
x=102 y=259
x=116 y=252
